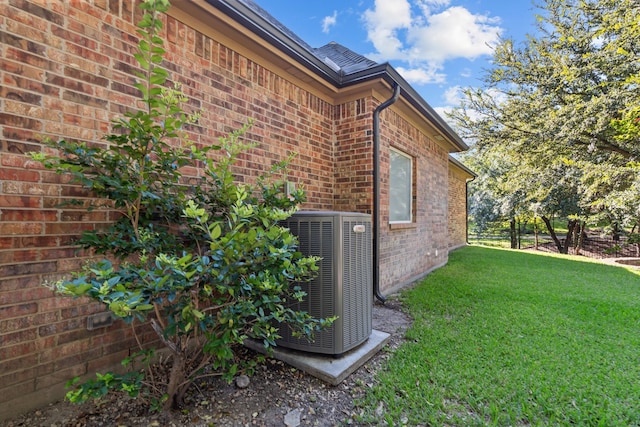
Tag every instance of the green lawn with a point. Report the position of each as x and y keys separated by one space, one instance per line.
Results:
x=506 y=338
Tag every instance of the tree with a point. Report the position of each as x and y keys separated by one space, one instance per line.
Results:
x=564 y=104
x=205 y=262
x=484 y=203
x=491 y=197
x=519 y=190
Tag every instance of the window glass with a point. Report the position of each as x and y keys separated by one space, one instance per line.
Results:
x=400 y=187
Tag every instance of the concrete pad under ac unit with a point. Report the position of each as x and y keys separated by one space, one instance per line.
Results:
x=330 y=369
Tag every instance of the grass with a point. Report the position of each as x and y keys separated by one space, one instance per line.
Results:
x=507 y=338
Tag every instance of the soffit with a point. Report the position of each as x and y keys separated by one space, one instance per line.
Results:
x=415 y=117
x=213 y=23
x=458 y=167
x=295 y=61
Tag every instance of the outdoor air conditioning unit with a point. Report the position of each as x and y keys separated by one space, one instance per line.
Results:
x=343 y=286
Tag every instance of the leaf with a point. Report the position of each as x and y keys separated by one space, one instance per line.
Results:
x=215 y=232
x=157 y=79
x=114 y=280
x=144 y=64
x=144 y=46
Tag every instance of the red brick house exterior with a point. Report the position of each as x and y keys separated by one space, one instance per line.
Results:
x=67 y=71
x=459 y=177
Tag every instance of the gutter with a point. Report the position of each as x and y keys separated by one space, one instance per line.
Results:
x=387 y=73
x=257 y=20
x=466 y=206
x=274 y=33
x=376 y=191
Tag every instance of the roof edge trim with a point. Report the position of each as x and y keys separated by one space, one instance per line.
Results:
x=300 y=52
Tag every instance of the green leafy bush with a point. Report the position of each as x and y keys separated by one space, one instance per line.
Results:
x=203 y=260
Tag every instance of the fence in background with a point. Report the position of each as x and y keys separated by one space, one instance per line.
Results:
x=592 y=247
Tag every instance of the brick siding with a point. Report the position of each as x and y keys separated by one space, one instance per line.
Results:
x=457 y=222
x=409 y=251
x=67 y=70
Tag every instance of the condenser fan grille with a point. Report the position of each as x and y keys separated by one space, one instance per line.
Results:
x=343 y=285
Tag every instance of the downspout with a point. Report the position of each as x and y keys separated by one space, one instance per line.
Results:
x=466 y=208
x=376 y=191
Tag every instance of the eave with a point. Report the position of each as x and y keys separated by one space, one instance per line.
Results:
x=251 y=30
x=465 y=170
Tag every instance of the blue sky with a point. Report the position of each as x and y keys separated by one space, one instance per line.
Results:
x=438 y=46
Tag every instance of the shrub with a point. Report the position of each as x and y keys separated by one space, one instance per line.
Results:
x=204 y=260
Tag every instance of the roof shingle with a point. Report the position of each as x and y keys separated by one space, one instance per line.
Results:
x=346 y=60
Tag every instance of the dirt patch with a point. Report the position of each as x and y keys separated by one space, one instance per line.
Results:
x=277 y=395
x=632 y=262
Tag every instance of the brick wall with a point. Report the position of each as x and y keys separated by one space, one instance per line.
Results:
x=408 y=251
x=354 y=159
x=457 y=206
x=67 y=70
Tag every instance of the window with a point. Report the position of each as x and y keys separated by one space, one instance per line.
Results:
x=400 y=187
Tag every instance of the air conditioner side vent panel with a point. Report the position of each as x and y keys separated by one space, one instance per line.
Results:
x=344 y=284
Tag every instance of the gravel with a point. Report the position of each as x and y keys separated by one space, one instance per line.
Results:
x=276 y=395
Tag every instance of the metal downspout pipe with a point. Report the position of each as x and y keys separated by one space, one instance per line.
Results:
x=376 y=191
x=466 y=208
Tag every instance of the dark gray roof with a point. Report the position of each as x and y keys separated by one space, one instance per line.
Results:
x=333 y=62
x=347 y=60
x=339 y=58
x=276 y=24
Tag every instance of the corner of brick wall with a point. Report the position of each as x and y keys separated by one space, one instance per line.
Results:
x=457 y=222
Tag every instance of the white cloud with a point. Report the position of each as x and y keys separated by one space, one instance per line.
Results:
x=426 y=6
x=421 y=76
x=452 y=95
x=454 y=33
x=424 y=34
x=329 y=21
x=466 y=72
x=442 y=111
x=390 y=14
x=383 y=24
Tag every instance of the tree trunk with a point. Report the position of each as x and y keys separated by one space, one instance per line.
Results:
x=519 y=235
x=581 y=236
x=514 y=237
x=177 y=376
x=176 y=379
x=535 y=233
x=571 y=228
x=552 y=233
x=633 y=231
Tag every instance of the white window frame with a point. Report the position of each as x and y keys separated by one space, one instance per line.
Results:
x=400 y=190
